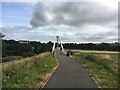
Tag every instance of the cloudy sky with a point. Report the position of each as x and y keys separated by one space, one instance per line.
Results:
x=72 y=21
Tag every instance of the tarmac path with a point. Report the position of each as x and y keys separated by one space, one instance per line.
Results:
x=70 y=74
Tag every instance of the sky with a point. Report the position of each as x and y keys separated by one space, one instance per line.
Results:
x=77 y=22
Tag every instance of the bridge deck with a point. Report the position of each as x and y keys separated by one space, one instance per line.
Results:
x=70 y=74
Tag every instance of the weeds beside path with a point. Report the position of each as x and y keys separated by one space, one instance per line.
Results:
x=102 y=66
x=28 y=73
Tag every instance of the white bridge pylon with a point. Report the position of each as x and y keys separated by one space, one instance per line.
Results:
x=58 y=41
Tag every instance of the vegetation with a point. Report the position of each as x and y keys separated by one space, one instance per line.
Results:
x=28 y=73
x=11 y=58
x=12 y=48
x=92 y=46
x=15 y=48
x=102 y=65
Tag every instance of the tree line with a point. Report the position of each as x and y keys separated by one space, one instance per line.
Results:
x=15 y=48
x=91 y=46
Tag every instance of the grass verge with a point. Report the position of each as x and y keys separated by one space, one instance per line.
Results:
x=104 y=76
x=28 y=73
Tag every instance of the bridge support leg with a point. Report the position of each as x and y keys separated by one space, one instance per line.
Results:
x=57 y=41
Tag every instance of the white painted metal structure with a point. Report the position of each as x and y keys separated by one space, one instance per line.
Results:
x=58 y=41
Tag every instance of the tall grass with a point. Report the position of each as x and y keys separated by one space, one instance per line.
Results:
x=103 y=65
x=108 y=59
x=28 y=73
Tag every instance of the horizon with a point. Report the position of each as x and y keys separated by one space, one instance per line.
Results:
x=65 y=42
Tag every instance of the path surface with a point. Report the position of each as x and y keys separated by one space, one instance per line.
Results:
x=70 y=74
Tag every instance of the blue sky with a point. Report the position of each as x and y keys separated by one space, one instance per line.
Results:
x=73 y=22
x=16 y=14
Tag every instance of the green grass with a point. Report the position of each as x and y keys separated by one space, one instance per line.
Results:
x=27 y=73
x=102 y=66
x=96 y=51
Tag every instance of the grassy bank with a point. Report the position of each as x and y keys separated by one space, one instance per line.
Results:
x=28 y=73
x=103 y=65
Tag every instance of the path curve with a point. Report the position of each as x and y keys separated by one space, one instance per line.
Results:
x=70 y=74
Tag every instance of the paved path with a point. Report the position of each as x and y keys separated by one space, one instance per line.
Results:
x=70 y=74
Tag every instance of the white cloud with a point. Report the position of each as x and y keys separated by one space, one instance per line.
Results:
x=73 y=22
x=67 y=33
x=72 y=14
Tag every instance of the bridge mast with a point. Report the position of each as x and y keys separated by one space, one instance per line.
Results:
x=57 y=41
